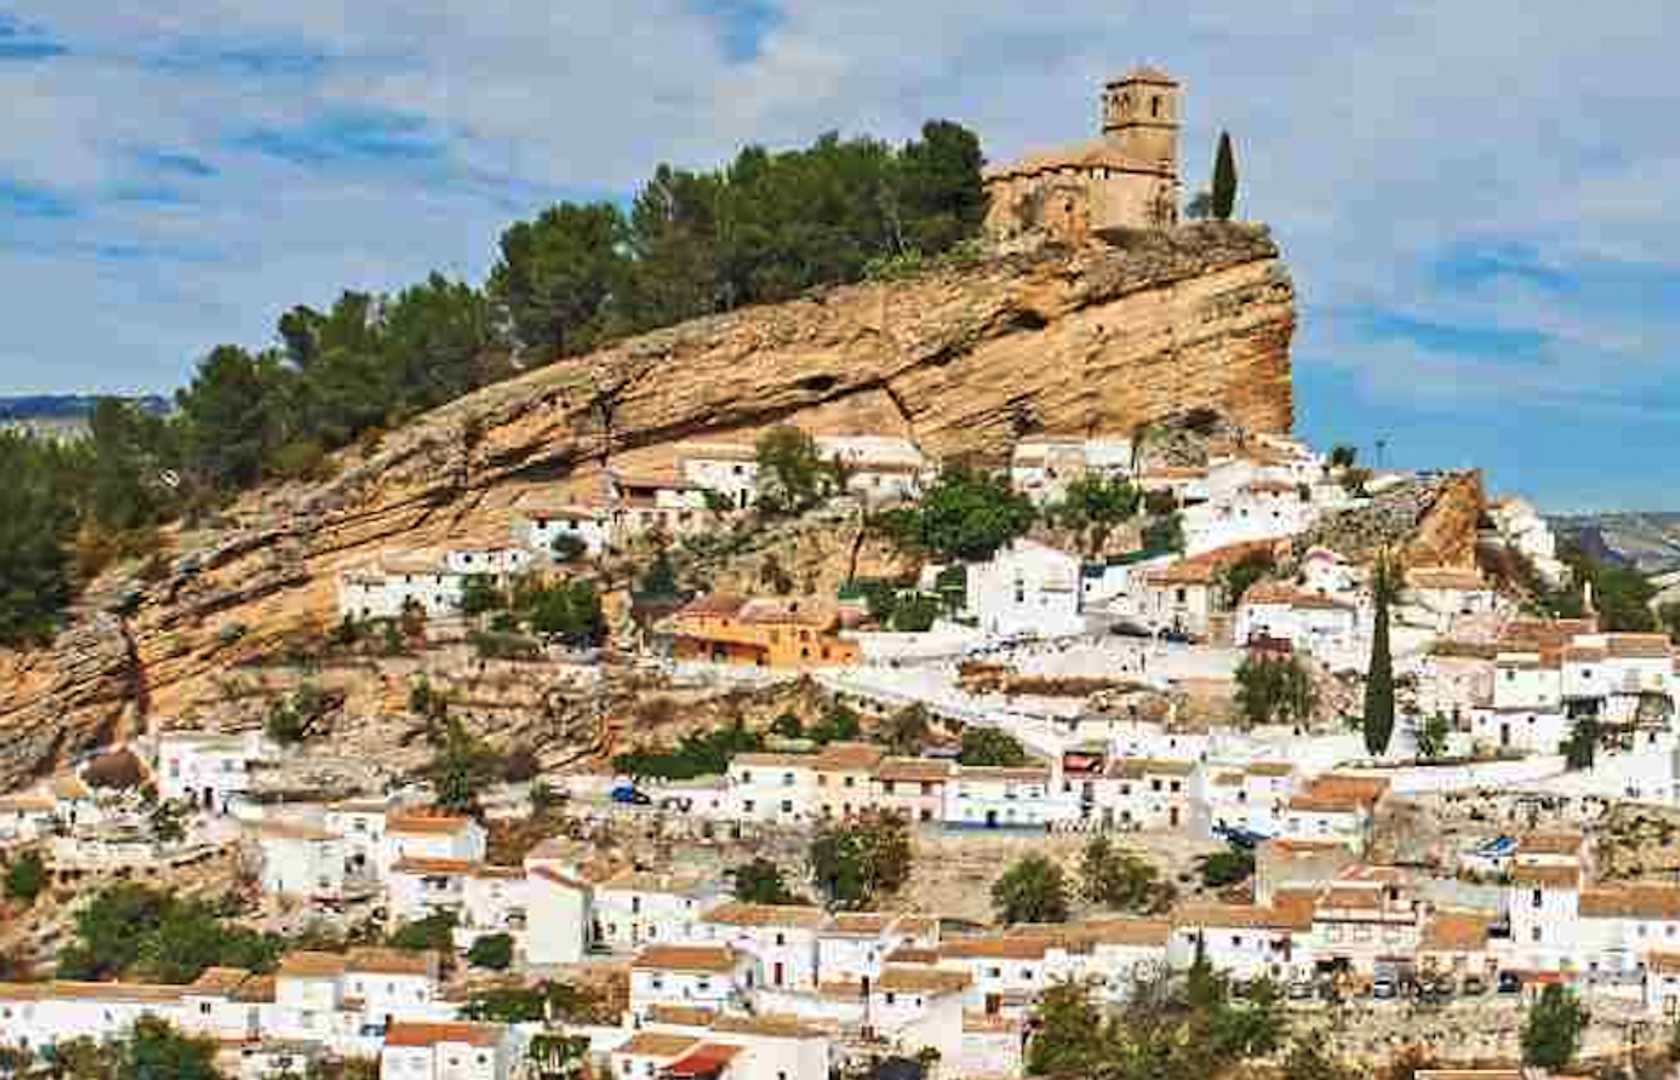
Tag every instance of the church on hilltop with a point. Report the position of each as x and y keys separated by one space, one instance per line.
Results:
x=1126 y=178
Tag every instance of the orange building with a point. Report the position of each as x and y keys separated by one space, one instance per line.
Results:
x=775 y=633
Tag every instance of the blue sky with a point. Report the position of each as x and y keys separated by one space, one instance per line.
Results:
x=1471 y=196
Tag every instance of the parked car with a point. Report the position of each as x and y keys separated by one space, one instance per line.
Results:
x=1474 y=986
x=1383 y=987
x=1510 y=982
x=630 y=796
x=1301 y=990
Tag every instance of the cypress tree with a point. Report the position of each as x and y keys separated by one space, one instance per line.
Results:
x=1224 y=179
x=1379 y=681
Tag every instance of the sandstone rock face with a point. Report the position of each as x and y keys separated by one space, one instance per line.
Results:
x=964 y=360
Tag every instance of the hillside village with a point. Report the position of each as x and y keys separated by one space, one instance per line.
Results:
x=1139 y=652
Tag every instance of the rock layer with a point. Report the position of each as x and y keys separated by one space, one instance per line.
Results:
x=963 y=359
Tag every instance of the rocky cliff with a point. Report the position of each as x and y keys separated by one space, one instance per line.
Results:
x=964 y=359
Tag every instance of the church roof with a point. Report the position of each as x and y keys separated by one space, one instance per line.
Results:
x=1145 y=73
x=1098 y=153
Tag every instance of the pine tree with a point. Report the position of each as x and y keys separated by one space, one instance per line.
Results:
x=1379 y=681
x=1224 y=179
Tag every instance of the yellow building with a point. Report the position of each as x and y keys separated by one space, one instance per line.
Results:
x=775 y=633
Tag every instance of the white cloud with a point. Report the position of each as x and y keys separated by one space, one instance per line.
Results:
x=1372 y=139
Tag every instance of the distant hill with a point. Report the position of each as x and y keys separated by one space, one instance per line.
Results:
x=1649 y=542
x=66 y=406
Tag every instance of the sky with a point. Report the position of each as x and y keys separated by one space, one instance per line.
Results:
x=1470 y=196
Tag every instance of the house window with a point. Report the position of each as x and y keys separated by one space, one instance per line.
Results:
x=1535 y=935
x=1538 y=899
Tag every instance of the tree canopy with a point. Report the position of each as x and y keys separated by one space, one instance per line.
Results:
x=765 y=227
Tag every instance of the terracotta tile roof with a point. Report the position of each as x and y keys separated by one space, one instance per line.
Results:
x=1638 y=901
x=1025 y=774
x=1240 y=916
x=424 y=824
x=1204 y=569
x=1640 y=646
x=40 y=803
x=69 y=786
x=1124 y=931
x=868 y=923
x=24 y=991
x=117 y=991
x=1557 y=877
x=658 y=1044
x=219 y=981
x=411 y=865
x=256 y=990
x=910 y=954
x=1269 y=768
x=715 y=605
x=772 y=1025
x=1332 y=792
x=736 y=913
x=768 y=760
x=849 y=755
x=682 y=1015
x=999 y=947
x=913 y=770
x=706 y=1060
x=405 y=1033
x=1558 y=843
x=382 y=961
x=794 y=611
x=1136 y=768
x=1444 y=577
x=291 y=830
x=717 y=959
x=1146 y=73
x=1457 y=931
x=312 y=965
x=901 y=978
x=1663 y=963
x=718 y=451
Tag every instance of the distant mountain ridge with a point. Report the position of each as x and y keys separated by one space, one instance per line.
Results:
x=1648 y=542
x=68 y=406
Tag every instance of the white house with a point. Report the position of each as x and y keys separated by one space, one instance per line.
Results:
x=539 y=526
x=668 y=504
x=1321 y=626
x=996 y=796
x=708 y=976
x=63 y=801
x=387 y=588
x=495 y=562
x=1445 y=593
x=1144 y=793
x=207 y=769
x=412 y=834
x=1333 y=807
x=300 y=860
x=446 y=1051
x=1246 y=942
x=914 y=1007
x=1526 y=712
x=780 y=788
x=782 y=938
x=558 y=900
x=1026 y=588
x=637 y=908
x=879 y=469
x=729 y=469
x=854 y=945
x=1259 y=509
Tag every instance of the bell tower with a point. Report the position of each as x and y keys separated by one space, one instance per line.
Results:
x=1140 y=117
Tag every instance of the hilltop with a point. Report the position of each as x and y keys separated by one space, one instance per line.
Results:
x=963 y=359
